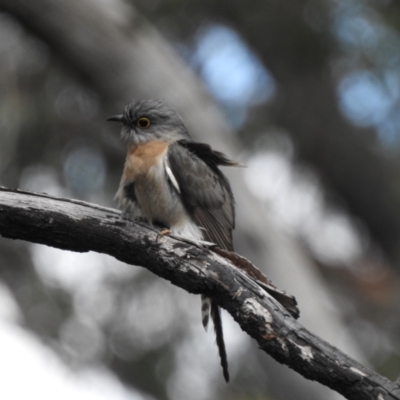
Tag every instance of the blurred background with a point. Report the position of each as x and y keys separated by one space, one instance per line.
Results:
x=306 y=93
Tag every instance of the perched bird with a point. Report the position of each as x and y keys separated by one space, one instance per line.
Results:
x=175 y=182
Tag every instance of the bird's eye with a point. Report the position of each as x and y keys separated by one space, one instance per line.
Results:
x=143 y=123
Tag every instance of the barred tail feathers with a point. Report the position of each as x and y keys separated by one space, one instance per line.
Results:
x=205 y=310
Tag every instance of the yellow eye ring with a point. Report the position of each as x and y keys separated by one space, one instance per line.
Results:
x=143 y=123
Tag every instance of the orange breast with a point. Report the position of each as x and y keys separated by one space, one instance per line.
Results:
x=142 y=157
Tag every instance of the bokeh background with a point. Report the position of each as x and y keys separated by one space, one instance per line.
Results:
x=306 y=93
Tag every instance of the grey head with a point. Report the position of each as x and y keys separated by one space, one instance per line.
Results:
x=147 y=120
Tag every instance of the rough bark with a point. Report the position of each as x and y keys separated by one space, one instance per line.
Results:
x=79 y=226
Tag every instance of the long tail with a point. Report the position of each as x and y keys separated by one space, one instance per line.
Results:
x=216 y=317
x=210 y=307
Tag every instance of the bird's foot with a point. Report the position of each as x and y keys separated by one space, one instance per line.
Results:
x=164 y=232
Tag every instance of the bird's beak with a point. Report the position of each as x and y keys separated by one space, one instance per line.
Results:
x=117 y=118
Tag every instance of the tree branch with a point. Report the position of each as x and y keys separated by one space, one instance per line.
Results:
x=79 y=226
x=122 y=57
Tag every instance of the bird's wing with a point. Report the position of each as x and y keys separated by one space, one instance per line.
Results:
x=204 y=190
x=192 y=169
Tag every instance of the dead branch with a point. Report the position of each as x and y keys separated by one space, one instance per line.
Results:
x=79 y=226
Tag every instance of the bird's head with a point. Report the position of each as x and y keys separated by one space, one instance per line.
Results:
x=147 y=120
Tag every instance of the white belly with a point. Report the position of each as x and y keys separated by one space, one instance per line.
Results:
x=161 y=203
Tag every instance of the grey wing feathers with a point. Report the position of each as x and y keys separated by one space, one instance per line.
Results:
x=207 y=196
x=204 y=190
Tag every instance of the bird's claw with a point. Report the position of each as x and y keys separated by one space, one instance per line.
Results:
x=163 y=233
